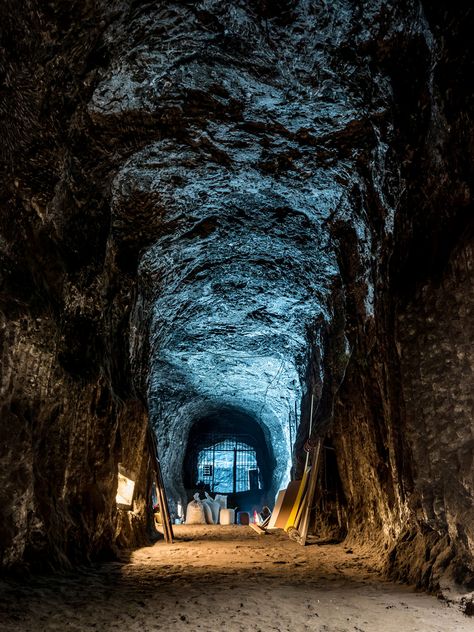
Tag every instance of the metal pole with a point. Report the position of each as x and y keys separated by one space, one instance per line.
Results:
x=310 y=427
x=235 y=471
x=213 y=466
x=291 y=433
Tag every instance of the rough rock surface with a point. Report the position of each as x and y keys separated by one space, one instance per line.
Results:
x=69 y=411
x=235 y=205
x=61 y=440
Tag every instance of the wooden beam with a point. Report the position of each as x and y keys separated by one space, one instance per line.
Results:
x=160 y=488
x=300 y=535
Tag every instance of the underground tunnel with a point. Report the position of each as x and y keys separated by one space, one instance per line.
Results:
x=236 y=255
x=228 y=453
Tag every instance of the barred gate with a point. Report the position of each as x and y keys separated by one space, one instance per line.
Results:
x=228 y=465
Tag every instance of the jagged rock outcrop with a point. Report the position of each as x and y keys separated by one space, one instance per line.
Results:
x=232 y=206
x=69 y=411
x=402 y=419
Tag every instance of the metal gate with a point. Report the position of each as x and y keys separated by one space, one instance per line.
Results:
x=228 y=465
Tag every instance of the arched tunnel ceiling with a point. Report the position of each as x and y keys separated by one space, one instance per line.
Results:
x=240 y=269
x=232 y=202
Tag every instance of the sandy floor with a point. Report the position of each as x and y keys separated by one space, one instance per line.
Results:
x=226 y=578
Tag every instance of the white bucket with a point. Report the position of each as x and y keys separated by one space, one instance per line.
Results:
x=227 y=516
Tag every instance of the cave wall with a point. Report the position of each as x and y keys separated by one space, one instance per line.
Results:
x=61 y=441
x=402 y=433
x=328 y=147
x=434 y=334
x=70 y=410
x=402 y=418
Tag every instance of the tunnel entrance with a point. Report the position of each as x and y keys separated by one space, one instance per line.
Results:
x=228 y=453
x=228 y=465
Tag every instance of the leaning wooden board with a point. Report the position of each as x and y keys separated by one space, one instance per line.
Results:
x=160 y=488
x=276 y=509
x=313 y=480
x=287 y=503
x=297 y=504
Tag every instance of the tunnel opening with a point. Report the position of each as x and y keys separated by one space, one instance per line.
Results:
x=228 y=453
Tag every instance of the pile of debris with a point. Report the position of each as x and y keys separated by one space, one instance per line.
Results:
x=292 y=511
x=294 y=504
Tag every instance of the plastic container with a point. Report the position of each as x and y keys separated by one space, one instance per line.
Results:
x=227 y=516
x=243 y=517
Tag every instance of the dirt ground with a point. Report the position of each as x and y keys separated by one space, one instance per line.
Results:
x=226 y=578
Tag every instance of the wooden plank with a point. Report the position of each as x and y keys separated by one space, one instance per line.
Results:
x=301 y=509
x=301 y=534
x=297 y=503
x=276 y=509
x=257 y=528
x=160 y=488
x=166 y=522
x=288 y=501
